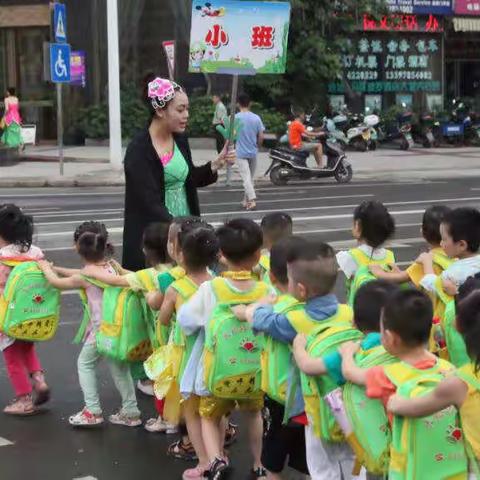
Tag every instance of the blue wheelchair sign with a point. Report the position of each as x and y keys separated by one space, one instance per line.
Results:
x=60 y=62
x=60 y=22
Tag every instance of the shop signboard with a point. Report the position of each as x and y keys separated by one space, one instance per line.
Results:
x=383 y=62
x=402 y=22
x=421 y=7
x=467 y=7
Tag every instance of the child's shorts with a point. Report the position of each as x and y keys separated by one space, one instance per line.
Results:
x=282 y=443
x=213 y=407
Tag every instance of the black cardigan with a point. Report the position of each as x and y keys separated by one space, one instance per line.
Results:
x=145 y=192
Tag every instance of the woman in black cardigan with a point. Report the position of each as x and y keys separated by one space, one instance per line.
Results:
x=161 y=180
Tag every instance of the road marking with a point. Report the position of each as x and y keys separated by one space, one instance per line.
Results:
x=305 y=199
x=77 y=194
x=89 y=477
x=4 y=442
x=325 y=207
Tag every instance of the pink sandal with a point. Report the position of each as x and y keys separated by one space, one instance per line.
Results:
x=22 y=407
x=195 y=473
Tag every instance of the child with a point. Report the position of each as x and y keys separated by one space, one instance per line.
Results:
x=405 y=327
x=369 y=302
x=240 y=244
x=91 y=243
x=23 y=367
x=432 y=219
x=275 y=227
x=460 y=233
x=462 y=388
x=199 y=250
x=283 y=444
x=155 y=239
x=372 y=227
x=312 y=274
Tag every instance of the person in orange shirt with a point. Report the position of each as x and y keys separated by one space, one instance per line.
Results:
x=297 y=132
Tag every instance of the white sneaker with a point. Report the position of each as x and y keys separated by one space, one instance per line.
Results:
x=146 y=388
x=158 y=425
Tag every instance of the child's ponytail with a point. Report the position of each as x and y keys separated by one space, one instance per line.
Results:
x=93 y=247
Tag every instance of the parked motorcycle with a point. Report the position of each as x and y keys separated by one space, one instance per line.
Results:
x=422 y=132
x=288 y=164
x=349 y=130
x=397 y=131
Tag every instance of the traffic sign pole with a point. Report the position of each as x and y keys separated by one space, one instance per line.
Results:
x=115 y=119
x=60 y=126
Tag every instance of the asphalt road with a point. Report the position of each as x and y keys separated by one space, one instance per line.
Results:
x=45 y=447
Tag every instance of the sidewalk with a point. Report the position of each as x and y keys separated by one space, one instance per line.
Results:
x=89 y=166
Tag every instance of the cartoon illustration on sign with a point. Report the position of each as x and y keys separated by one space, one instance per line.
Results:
x=208 y=11
x=245 y=36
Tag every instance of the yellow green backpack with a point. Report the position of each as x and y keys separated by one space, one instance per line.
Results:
x=277 y=357
x=363 y=273
x=124 y=333
x=232 y=351
x=369 y=434
x=29 y=305
x=182 y=344
x=426 y=447
x=454 y=343
x=327 y=336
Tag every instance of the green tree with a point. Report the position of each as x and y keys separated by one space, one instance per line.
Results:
x=319 y=30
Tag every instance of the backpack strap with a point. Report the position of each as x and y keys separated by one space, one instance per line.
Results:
x=468 y=378
x=362 y=259
x=86 y=318
x=444 y=297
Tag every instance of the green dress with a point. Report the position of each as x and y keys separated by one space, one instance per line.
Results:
x=176 y=172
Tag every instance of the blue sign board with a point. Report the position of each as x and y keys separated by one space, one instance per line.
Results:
x=60 y=62
x=421 y=7
x=60 y=22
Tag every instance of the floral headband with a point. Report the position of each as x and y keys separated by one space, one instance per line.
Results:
x=161 y=91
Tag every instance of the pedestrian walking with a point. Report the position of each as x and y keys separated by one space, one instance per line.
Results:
x=250 y=138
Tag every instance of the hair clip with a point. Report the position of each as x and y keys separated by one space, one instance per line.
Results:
x=161 y=91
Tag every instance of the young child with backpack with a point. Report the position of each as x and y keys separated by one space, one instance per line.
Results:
x=155 y=239
x=275 y=227
x=460 y=231
x=23 y=366
x=91 y=243
x=228 y=366
x=371 y=298
x=462 y=388
x=282 y=444
x=199 y=250
x=312 y=274
x=372 y=227
x=432 y=219
x=432 y=447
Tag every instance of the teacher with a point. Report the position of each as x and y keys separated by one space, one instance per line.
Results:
x=160 y=179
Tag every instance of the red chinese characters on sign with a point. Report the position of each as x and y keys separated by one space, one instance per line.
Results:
x=402 y=23
x=467 y=7
x=262 y=36
x=216 y=37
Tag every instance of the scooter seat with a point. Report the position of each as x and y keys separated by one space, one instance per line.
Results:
x=291 y=151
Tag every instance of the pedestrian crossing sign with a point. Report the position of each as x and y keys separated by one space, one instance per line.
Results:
x=60 y=22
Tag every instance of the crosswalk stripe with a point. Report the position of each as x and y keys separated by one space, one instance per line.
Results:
x=4 y=442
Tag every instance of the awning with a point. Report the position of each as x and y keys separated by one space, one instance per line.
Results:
x=461 y=24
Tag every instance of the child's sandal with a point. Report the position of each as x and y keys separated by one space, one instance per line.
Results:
x=182 y=451
x=218 y=469
x=21 y=407
x=259 y=472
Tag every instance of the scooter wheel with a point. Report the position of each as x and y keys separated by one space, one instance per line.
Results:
x=344 y=173
x=279 y=175
x=372 y=145
x=427 y=144
x=360 y=145
x=404 y=145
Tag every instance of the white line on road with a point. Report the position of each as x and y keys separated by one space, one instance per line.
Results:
x=325 y=207
x=89 y=477
x=4 y=442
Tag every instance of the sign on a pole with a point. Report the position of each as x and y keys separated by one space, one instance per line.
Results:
x=60 y=62
x=421 y=7
x=239 y=36
x=467 y=7
x=78 y=68
x=60 y=22
x=169 y=48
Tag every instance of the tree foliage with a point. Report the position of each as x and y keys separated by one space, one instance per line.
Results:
x=318 y=33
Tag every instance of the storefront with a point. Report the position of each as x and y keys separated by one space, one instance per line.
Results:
x=462 y=52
